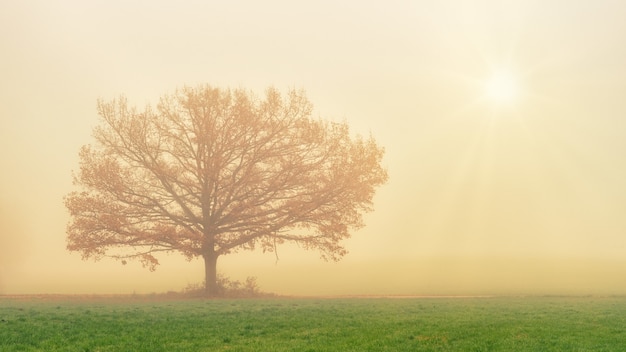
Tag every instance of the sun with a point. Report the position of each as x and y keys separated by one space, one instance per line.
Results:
x=502 y=87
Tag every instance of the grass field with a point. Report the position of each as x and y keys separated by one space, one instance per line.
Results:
x=298 y=324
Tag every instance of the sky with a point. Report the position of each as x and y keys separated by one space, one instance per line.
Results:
x=503 y=121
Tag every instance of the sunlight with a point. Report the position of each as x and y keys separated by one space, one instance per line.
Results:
x=502 y=87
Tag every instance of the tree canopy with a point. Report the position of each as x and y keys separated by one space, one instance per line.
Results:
x=211 y=171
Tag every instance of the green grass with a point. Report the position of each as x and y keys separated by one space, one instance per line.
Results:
x=374 y=324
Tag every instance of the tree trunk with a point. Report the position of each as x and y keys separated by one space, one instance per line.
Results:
x=210 y=274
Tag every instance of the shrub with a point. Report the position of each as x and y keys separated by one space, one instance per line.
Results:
x=227 y=288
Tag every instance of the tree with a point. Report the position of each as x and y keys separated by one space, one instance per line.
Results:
x=210 y=172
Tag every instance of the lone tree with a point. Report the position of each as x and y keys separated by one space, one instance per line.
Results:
x=210 y=172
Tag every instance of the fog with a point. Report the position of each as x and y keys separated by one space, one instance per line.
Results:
x=485 y=197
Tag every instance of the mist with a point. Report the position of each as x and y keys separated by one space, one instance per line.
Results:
x=14 y=243
x=524 y=196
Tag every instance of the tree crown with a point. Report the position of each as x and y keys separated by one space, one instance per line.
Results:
x=215 y=170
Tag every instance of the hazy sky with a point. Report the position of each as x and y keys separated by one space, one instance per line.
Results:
x=526 y=195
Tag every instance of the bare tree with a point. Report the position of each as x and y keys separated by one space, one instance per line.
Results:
x=213 y=171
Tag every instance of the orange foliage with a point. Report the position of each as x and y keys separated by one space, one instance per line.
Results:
x=211 y=171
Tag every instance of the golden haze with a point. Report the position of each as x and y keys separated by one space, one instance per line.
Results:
x=483 y=198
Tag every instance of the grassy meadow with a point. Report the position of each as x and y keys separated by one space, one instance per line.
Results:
x=49 y=323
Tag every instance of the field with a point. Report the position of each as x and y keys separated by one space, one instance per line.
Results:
x=297 y=324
